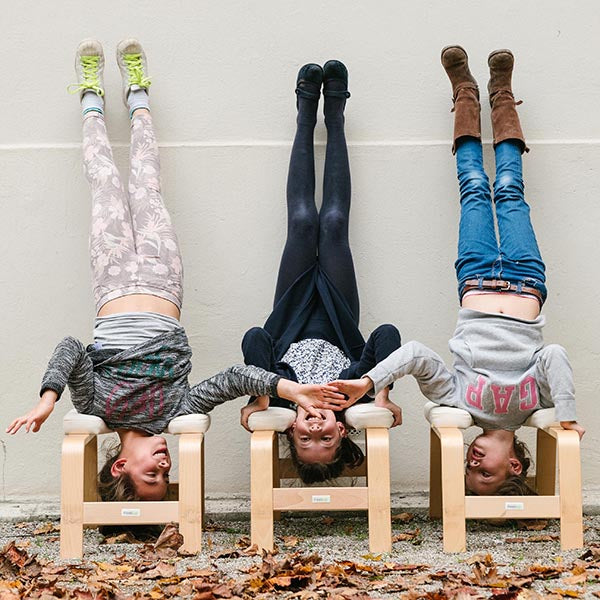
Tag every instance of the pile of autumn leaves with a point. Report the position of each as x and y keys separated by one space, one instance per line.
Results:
x=154 y=575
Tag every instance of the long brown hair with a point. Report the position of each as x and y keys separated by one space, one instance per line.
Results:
x=111 y=488
x=348 y=454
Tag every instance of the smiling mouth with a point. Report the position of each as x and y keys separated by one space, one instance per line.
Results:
x=161 y=452
x=477 y=454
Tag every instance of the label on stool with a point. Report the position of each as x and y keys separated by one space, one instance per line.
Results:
x=130 y=512
x=514 y=506
x=321 y=499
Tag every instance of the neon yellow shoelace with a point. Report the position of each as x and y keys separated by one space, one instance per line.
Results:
x=91 y=81
x=135 y=69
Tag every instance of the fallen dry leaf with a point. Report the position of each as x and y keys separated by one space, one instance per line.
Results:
x=169 y=538
x=407 y=536
x=566 y=593
x=290 y=541
x=404 y=517
x=47 y=528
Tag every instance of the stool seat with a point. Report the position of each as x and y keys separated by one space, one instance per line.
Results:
x=195 y=423
x=449 y=416
x=75 y=422
x=274 y=418
x=364 y=416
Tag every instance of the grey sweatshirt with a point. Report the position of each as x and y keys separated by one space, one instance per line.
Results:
x=502 y=371
x=146 y=386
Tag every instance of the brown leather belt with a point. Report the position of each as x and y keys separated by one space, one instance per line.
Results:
x=499 y=285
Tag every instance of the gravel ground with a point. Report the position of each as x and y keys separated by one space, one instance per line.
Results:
x=344 y=537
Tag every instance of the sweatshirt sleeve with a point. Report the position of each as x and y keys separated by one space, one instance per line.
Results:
x=70 y=364
x=555 y=378
x=427 y=367
x=236 y=381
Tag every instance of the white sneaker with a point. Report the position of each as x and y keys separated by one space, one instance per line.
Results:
x=89 y=66
x=131 y=59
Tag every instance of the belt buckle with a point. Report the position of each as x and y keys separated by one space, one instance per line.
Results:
x=500 y=284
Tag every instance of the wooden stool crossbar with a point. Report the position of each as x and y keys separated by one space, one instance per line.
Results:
x=268 y=499
x=556 y=447
x=80 y=503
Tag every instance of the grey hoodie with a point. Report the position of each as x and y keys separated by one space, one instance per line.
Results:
x=146 y=386
x=502 y=371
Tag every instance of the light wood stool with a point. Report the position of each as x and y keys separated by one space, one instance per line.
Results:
x=555 y=447
x=80 y=503
x=267 y=470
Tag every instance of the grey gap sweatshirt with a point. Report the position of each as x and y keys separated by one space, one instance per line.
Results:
x=146 y=386
x=502 y=371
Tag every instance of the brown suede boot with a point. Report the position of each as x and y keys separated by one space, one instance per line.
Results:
x=505 y=120
x=465 y=94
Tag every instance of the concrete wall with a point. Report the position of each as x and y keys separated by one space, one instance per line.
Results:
x=223 y=104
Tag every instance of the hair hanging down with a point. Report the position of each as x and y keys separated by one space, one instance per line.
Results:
x=115 y=489
x=348 y=454
x=516 y=485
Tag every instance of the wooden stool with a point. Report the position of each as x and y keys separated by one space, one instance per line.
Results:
x=267 y=469
x=80 y=503
x=447 y=497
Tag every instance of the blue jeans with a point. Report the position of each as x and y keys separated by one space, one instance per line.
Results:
x=515 y=257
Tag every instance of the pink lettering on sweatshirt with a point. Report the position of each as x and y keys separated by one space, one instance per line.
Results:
x=502 y=394
x=474 y=393
x=528 y=393
x=150 y=402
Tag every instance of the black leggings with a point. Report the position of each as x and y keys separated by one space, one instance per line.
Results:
x=319 y=237
x=323 y=236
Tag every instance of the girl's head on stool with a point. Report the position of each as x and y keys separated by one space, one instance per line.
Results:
x=135 y=469
x=497 y=463
x=320 y=448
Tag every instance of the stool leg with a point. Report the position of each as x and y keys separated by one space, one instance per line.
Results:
x=261 y=488
x=378 y=489
x=90 y=459
x=545 y=468
x=453 y=489
x=72 y=495
x=202 y=483
x=435 y=475
x=276 y=480
x=190 y=490
x=569 y=483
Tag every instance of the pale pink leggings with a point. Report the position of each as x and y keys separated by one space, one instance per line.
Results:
x=133 y=246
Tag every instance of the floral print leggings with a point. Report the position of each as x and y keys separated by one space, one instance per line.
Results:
x=133 y=246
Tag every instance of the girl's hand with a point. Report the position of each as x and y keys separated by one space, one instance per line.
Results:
x=574 y=425
x=313 y=396
x=261 y=403
x=383 y=400
x=35 y=418
x=353 y=389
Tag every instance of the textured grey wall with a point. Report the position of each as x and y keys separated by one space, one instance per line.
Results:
x=223 y=104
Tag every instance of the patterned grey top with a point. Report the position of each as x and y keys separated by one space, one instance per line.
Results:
x=146 y=386
x=315 y=361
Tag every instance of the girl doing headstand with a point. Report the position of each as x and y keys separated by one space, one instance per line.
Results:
x=502 y=370
x=312 y=335
x=135 y=374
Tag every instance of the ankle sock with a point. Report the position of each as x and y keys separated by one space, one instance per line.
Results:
x=137 y=98
x=307 y=107
x=92 y=102
x=333 y=106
